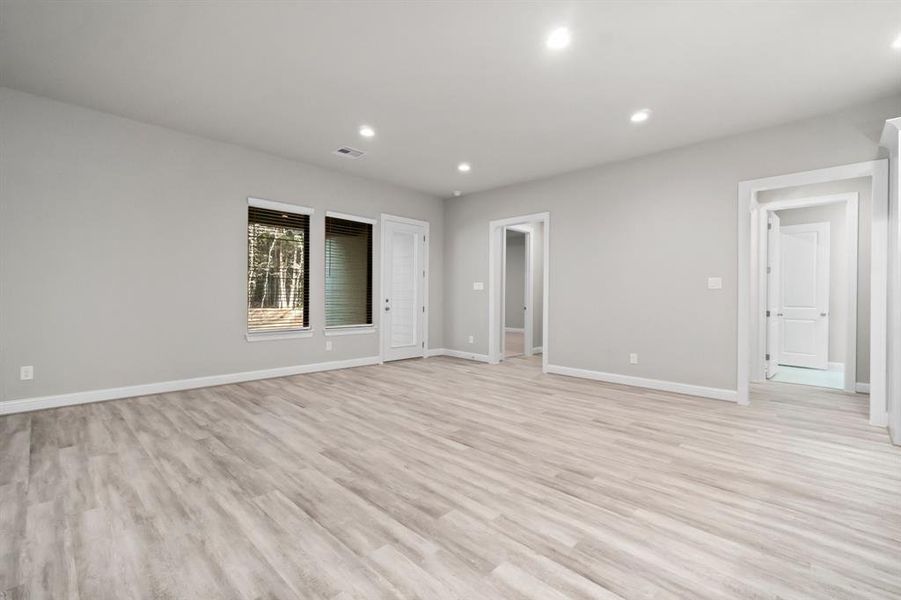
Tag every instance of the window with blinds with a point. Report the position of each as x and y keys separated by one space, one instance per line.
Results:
x=348 y=272
x=278 y=270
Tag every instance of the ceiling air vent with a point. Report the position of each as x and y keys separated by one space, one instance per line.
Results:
x=348 y=152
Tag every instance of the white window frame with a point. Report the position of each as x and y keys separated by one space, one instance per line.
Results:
x=300 y=333
x=336 y=330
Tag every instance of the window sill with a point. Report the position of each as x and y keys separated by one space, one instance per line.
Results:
x=285 y=335
x=354 y=330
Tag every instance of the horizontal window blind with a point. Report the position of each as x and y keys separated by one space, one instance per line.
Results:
x=348 y=272
x=278 y=274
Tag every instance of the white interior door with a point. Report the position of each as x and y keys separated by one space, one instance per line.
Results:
x=773 y=295
x=403 y=286
x=805 y=295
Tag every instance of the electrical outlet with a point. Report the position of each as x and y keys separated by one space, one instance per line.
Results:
x=472 y=339
x=26 y=373
x=478 y=285
x=328 y=345
x=633 y=359
x=714 y=283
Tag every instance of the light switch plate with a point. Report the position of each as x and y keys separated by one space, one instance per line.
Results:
x=633 y=359
x=714 y=283
x=478 y=285
x=26 y=373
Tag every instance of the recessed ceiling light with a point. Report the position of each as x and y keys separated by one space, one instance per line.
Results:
x=464 y=167
x=559 y=39
x=457 y=193
x=367 y=131
x=641 y=116
x=897 y=43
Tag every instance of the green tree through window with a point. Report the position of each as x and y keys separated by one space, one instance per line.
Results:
x=278 y=281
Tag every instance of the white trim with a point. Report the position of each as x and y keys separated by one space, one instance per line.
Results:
x=862 y=388
x=891 y=142
x=642 y=382
x=347 y=217
x=349 y=330
x=514 y=329
x=425 y=285
x=282 y=335
x=495 y=254
x=150 y=389
x=456 y=354
x=282 y=206
x=810 y=201
x=837 y=366
x=851 y=201
x=406 y=220
x=537 y=350
x=748 y=221
x=528 y=318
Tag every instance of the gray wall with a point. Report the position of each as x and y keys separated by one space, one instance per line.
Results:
x=836 y=215
x=515 y=285
x=122 y=250
x=632 y=244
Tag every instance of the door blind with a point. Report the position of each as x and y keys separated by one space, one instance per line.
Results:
x=348 y=272
x=278 y=274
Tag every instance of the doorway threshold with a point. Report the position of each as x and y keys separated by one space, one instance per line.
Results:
x=829 y=378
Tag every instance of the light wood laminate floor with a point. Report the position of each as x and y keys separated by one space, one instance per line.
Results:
x=513 y=343
x=443 y=478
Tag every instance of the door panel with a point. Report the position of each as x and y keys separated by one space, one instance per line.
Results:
x=402 y=292
x=403 y=285
x=774 y=294
x=805 y=295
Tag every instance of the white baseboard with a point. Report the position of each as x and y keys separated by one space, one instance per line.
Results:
x=149 y=389
x=537 y=350
x=836 y=366
x=654 y=384
x=862 y=388
x=514 y=329
x=457 y=354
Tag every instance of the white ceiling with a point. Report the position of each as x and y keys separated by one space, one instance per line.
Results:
x=444 y=82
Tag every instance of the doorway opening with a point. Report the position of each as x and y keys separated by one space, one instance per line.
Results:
x=811 y=314
x=864 y=366
x=517 y=291
x=518 y=288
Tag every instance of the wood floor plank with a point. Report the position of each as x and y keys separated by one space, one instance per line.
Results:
x=443 y=478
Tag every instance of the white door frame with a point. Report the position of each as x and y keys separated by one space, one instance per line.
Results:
x=528 y=321
x=773 y=293
x=748 y=220
x=528 y=293
x=851 y=200
x=496 y=242
x=384 y=219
